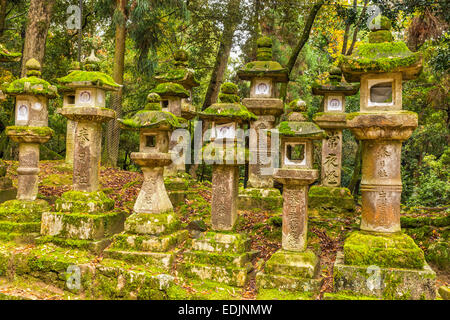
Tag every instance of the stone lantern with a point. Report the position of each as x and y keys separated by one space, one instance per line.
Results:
x=7 y=191
x=330 y=194
x=263 y=74
x=30 y=131
x=294 y=268
x=96 y=224
x=152 y=231
x=225 y=152
x=381 y=66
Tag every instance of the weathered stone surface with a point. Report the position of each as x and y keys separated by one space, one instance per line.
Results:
x=295 y=264
x=332 y=159
x=28 y=171
x=152 y=243
x=221 y=243
x=383 y=250
x=152 y=224
x=393 y=284
x=265 y=199
x=84 y=202
x=287 y=283
x=444 y=292
x=323 y=200
x=70 y=141
x=161 y=260
x=81 y=226
x=220 y=259
x=232 y=276
x=224 y=196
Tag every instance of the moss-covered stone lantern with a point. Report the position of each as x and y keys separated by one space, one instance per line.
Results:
x=30 y=131
x=333 y=121
x=152 y=231
x=225 y=152
x=381 y=65
x=263 y=74
x=85 y=212
x=294 y=268
x=7 y=191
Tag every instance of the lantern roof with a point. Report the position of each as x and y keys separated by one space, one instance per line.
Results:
x=32 y=83
x=178 y=72
x=229 y=106
x=334 y=84
x=381 y=55
x=264 y=66
x=171 y=89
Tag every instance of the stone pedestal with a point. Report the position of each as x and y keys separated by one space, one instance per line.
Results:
x=152 y=232
x=293 y=268
x=225 y=182
x=260 y=192
x=88 y=144
x=70 y=141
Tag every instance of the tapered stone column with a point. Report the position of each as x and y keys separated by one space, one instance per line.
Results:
x=224 y=196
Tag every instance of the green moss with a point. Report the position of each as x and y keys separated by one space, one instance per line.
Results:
x=263 y=66
x=170 y=89
x=347 y=295
x=383 y=250
x=95 y=77
x=439 y=254
x=380 y=23
x=300 y=129
x=153 y=119
x=276 y=294
x=229 y=88
x=23 y=211
x=56 y=180
x=32 y=85
x=27 y=130
x=229 y=110
x=264 y=42
x=6 y=55
x=84 y=202
x=229 y=98
x=380 y=36
x=386 y=57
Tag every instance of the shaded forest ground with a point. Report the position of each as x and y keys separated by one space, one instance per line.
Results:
x=325 y=236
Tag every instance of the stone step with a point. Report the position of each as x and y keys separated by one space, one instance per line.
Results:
x=20 y=227
x=152 y=224
x=82 y=226
x=126 y=241
x=231 y=276
x=221 y=243
x=163 y=261
x=216 y=259
x=28 y=288
x=28 y=238
x=287 y=283
x=94 y=246
x=293 y=264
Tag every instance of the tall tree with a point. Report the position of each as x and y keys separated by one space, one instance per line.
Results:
x=112 y=128
x=230 y=23
x=301 y=43
x=38 y=22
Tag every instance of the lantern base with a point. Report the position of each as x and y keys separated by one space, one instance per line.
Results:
x=265 y=199
x=290 y=271
x=149 y=239
x=20 y=221
x=382 y=283
x=326 y=201
x=218 y=257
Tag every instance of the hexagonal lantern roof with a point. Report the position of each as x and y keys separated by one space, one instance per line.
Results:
x=32 y=83
x=264 y=67
x=170 y=89
x=229 y=107
x=381 y=55
x=178 y=72
x=152 y=117
x=296 y=124
x=90 y=77
x=334 y=84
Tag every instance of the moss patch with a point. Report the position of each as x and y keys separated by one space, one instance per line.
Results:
x=300 y=129
x=95 y=77
x=32 y=85
x=23 y=211
x=84 y=202
x=390 y=251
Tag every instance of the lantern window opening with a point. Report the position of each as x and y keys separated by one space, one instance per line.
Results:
x=150 y=141
x=381 y=92
x=295 y=153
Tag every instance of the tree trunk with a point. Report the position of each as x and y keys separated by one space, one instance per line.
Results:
x=112 y=128
x=356 y=177
x=39 y=16
x=357 y=26
x=223 y=54
x=347 y=30
x=2 y=16
x=303 y=40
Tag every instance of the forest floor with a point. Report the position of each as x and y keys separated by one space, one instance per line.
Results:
x=326 y=234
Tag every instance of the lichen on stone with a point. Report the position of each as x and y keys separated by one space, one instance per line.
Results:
x=300 y=129
x=171 y=89
x=95 y=78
